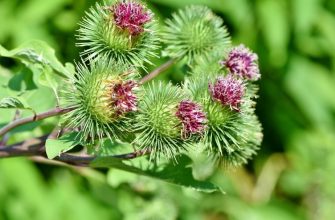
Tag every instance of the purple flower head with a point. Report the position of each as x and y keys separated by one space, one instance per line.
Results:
x=228 y=91
x=124 y=99
x=130 y=16
x=242 y=62
x=192 y=117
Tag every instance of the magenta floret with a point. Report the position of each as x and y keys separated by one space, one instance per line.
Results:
x=192 y=117
x=124 y=98
x=243 y=63
x=131 y=16
x=228 y=91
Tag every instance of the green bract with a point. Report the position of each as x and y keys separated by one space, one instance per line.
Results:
x=158 y=127
x=91 y=94
x=208 y=65
x=194 y=31
x=100 y=36
x=232 y=137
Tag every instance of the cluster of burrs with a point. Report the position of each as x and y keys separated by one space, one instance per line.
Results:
x=214 y=107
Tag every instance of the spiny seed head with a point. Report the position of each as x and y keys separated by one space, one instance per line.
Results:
x=124 y=31
x=159 y=128
x=194 y=31
x=123 y=97
x=231 y=137
x=228 y=91
x=111 y=99
x=192 y=117
x=102 y=94
x=242 y=62
x=130 y=16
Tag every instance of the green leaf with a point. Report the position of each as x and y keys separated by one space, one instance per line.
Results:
x=54 y=147
x=48 y=79
x=40 y=58
x=179 y=173
x=13 y=103
x=116 y=177
x=5 y=114
x=36 y=52
x=22 y=81
x=109 y=147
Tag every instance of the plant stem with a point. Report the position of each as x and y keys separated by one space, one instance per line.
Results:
x=159 y=70
x=37 y=117
x=132 y=155
x=35 y=147
x=32 y=147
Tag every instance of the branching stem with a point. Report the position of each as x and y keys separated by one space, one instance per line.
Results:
x=158 y=71
x=37 y=117
x=36 y=147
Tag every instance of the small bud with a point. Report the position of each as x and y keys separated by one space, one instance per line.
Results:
x=242 y=62
x=124 y=98
x=193 y=32
x=192 y=117
x=130 y=16
x=228 y=91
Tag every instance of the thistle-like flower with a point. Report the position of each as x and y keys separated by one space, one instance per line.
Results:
x=231 y=137
x=194 y=32
x=158 y=127
x=123 y=97
x=192 y=117
x=228 y=91
x=123 y=31
x=242 y=62
x=130 y=16
x=102 y=95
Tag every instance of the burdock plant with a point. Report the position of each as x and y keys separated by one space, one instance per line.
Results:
x=124 y=31
x=107 y=101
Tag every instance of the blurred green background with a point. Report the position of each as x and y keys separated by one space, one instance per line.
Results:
x=292 y=177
